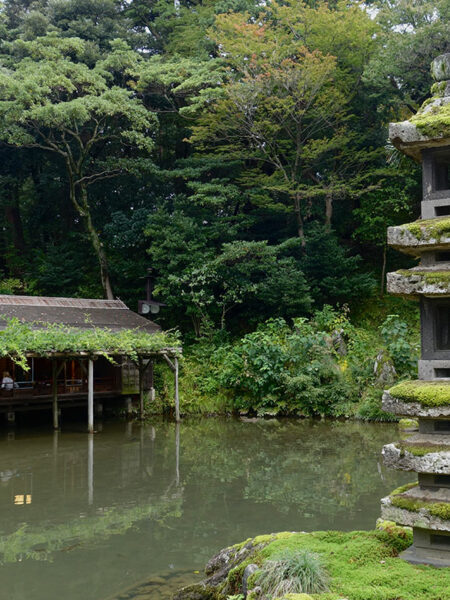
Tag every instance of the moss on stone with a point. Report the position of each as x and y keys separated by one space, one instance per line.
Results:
x=404 y=488
x=429 y=228
x=421 y=450
x=271 y=537
x=438 y=89
x=405 y=424
x=436 y=509
x=426 y=393
x=435 y=122
x=394 y=530
x=429 y=277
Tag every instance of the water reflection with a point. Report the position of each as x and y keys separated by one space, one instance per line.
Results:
x=91 y=515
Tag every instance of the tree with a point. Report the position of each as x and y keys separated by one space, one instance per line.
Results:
x=51 y=101
x=285 y=109
x=248 y=277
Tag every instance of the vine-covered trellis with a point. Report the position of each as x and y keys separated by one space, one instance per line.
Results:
x=19 y=341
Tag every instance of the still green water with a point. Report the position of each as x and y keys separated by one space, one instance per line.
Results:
x=133 y=512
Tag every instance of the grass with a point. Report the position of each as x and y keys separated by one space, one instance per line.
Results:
x=300 y=572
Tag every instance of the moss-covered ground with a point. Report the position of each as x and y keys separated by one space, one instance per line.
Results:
x=426 y=393
x=364 y=565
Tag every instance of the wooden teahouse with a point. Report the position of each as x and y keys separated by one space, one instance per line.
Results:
x=77 y=378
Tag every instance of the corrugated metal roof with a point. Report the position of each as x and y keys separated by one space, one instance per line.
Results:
x=60 y=302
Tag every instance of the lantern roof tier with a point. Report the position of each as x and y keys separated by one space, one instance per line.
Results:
x=420 y=236
x=430 y=126
x=419 y=281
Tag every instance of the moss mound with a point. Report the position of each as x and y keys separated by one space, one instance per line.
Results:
x=362 y=565
x=426 y=393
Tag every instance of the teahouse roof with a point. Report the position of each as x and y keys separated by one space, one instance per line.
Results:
x=79 y=313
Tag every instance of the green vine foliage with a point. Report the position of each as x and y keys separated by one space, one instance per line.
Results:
x=19 y=339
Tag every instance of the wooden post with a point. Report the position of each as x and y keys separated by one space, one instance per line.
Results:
x=152 y=382
x=174 y=366
x=55 y=394
x=141 y=368
x=177 y=399
x=91 y=396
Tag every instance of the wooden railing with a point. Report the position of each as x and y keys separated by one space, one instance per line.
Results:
x=31 y=389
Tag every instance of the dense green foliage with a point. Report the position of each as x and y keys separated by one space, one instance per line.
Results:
x=324 y=365
x=130 y=137
x=238 y=148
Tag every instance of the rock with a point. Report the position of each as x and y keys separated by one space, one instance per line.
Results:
x=197 y=591
x=399 y=458
x=339 y=343
x=383 y=369
x=440 y=67
x=217 y=585
x=249 y=570
x=254 y=594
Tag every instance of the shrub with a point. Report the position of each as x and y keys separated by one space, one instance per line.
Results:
x=370 y=407
x=293 y=572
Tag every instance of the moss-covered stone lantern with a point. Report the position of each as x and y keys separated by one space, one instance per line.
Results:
x=425 y=505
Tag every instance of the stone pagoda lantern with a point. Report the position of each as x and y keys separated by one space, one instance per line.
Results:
x=425 y=504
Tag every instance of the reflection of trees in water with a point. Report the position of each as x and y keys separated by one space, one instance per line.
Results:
x=39 y=543
x=313 y=466
x=222 y=477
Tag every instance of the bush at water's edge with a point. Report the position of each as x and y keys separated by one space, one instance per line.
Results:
x=323 y=366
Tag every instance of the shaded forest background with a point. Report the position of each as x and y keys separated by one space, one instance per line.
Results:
x=237 y=147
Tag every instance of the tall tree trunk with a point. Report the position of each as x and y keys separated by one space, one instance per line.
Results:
x=82 y=208
x=300 y=224
x=96 y=243
x=328 y=211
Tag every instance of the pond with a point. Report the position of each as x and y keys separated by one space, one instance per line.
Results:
x=133 y=512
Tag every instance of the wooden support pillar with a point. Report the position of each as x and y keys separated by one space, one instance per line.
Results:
x=55 y=394
x=141 y=368
x=91 y=396
x=177 y=398
x=174 y=366
x=151 y=381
